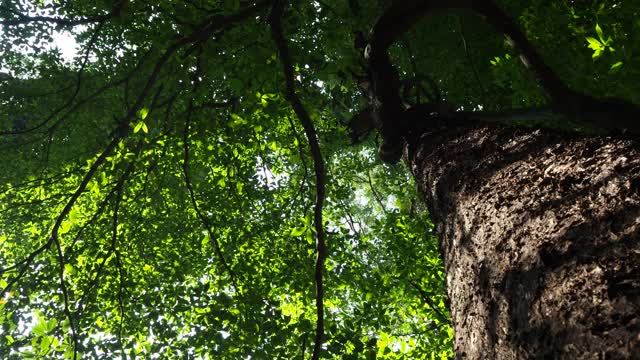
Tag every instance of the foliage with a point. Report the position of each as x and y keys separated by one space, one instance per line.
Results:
x=156 y=193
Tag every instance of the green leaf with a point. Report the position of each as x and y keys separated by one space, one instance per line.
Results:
x=616 y=66
x=142 y=113
x=597 y=47
x=46 y=343
x=599 y=32
x=65 y=226
x=237 y=121
x=594 y=43
x=69 y=269
x=298 y=231
x=309 y=237
x=39 y=329
x=138 y=127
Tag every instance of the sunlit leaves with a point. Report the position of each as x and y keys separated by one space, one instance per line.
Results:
x=599 y=45
x=237 y=121
x=142 y=113
x=298 y=231
x=616 y=66
x=143 y=275
x=141 y=125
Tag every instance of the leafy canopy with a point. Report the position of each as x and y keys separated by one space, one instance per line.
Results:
x=157 y=191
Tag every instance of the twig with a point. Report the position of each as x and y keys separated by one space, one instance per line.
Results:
x=304 y=181
x=375 y=193
x=70 y=101
x=427 y=300
x=187 y=180
x=468 y=56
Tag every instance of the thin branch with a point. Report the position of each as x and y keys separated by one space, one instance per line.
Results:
x=53 y=239
x=117 y=191
x=275 y=20
x=215 y=105
x=611 y=114
x=465 y=46
x=78 y=104
x=375 y=193
x=120 y=297
x=208 y=28
x=304 y=181
x=68 y=103
x=30 y=184
x=120 y=133
x=114 y=241
x=211 y=26
x=200 y=214
x=427 y=300
x=54 y=232
x=350 y=221
x=187 y=179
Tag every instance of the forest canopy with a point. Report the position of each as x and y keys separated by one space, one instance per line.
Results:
x=181 y=184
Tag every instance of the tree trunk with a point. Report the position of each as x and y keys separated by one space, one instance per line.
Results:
x=539 y=234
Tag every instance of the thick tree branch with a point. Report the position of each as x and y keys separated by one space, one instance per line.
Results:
x=607 y=113
x=275 y=21
x=612 y=114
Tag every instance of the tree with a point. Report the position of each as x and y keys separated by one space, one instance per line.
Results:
x=185 y=187
x=539 y=230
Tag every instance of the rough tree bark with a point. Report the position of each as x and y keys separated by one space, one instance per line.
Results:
x=539 y=230
x=540 y=239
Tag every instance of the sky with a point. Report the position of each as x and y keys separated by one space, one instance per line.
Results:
x=61 y=39
x=66 y=43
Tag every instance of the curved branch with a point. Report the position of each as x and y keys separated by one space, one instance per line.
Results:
x=275 y=20
x=608 y=113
